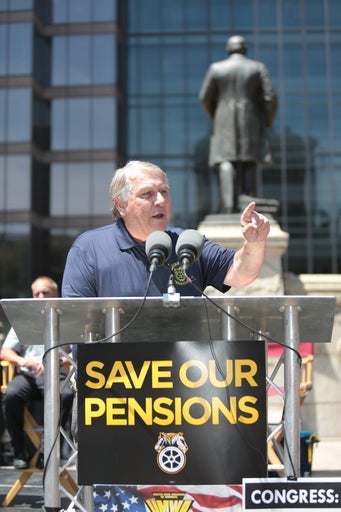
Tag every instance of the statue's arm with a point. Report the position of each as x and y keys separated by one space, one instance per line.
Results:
x=269 y=96
x=208 y=95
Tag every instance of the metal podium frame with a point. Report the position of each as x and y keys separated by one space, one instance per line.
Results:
x=288 y=319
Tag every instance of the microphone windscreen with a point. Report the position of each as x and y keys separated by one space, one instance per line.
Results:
x=159 y=240
x=190 y=238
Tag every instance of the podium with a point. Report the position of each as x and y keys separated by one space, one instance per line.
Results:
x=288 y=319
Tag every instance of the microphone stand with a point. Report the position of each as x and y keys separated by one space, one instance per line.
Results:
x=171 y=299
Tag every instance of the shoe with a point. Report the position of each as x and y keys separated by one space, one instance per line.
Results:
x=20 y=463
x=40 y=461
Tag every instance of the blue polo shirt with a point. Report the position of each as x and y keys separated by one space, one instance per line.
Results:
x=108 y=262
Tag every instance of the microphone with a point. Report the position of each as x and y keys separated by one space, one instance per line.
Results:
x=188 y=247
x=158 y=249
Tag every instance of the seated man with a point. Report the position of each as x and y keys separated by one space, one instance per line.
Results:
x=28 y=384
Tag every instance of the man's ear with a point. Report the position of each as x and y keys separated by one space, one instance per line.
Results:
x=120 y=206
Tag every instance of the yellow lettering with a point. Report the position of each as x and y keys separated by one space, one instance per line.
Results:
x=163 y=411
x=158 y=374
x=114 y=409
x=245 y=369
x=138 y=380
x=118 y=375
x=178 y=411
x=162 y=407
x=222 y=383
x=253 y=413
x=99 y=378
x=145 y=414
x=205 y=406
x=218 y=407
x=202 y=378
x=93 y=408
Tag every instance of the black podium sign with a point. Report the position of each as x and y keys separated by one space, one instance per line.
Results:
x=186 y=412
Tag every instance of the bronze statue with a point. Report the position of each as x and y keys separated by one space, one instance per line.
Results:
x=238 y=95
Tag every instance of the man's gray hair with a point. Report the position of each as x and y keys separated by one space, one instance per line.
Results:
x=120 y=186
x=51 y=282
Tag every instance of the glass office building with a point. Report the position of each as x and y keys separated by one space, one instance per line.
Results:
x=86 y=85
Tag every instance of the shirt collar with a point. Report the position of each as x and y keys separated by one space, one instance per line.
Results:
x=124 y=239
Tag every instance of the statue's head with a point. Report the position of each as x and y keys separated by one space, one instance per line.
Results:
x=236 y=44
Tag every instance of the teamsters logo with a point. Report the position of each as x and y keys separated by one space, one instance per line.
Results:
x=171 y=450
x=180 y=276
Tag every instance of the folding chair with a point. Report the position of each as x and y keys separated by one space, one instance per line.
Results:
x=34 y=433
x=276 y=394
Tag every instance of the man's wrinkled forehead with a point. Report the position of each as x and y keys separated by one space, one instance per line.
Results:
x=147 y=179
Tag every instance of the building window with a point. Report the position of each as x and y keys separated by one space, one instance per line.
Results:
x=15 y=115
x=81 y=189
x=15 y=185
x=16 y=5
x=15 y=260
x=83 y=60
x=83 y=123
x=83 y=11
x=15 y=49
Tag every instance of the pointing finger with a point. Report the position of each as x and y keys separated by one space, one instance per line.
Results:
x=246 y=215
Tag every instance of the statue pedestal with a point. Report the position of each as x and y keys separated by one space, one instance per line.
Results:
x=225 y=230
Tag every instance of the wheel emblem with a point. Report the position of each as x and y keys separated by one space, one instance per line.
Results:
x=171 y=448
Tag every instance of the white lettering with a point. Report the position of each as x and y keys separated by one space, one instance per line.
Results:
x=293 y=496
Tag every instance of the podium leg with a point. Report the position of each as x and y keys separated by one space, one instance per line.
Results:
x=51 y=411
x=229 y=324
x=291 y=386
x=112 y=324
